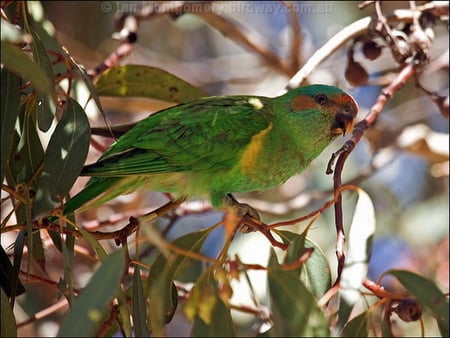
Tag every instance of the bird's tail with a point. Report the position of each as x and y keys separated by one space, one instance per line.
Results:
x=96 y=187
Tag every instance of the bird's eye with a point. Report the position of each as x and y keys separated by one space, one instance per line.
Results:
x=321 y=99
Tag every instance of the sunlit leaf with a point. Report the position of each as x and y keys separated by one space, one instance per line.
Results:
x=315 y=272
x=15 y=60
x=27 y=157
x=11 y=33
x=64 y=158
x=45 y=101
x=90 y=306
x=145 y=81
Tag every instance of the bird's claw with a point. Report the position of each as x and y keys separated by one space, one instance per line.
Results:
x=242 y=211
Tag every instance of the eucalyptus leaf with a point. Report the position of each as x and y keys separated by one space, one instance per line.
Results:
x=64 y=158
x=428 y=295
x=15 y=60
x=356 y=327
x=294 y=308
x=11 y=33
x=90 y=307
x=163 y=299
x=6 y=276
x=212 y=318
x=8 y=327
x=315 y=272
x=28 y=154
x=139 y=300
x=46 y=101
x=10 y=95
x=147 y=82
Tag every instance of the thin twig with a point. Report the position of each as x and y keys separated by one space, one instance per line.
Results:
x=407 y=73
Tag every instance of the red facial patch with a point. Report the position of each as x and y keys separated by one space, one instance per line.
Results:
x=303 y=102
x=346 y=99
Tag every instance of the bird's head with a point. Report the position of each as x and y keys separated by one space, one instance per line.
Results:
x=331 y=102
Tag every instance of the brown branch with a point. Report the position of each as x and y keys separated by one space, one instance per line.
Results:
x=406 y=74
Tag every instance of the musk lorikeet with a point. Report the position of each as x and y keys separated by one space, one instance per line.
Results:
x=214 y=146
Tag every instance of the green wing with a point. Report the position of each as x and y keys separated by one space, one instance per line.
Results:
x=205 y=134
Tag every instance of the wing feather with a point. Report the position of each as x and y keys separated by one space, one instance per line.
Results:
x=205 y=134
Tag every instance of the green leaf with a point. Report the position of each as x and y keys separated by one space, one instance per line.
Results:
x=294 y=309
x=428 y=295
x=46 y=101
x=19 y=244
x=162 y=292
x=11 y=33
x=28 y=155
x=357 y=327
x=212 y=318
x=296 y=247
x=90 y=307
x=64 y=158
x=8 y=327
x=68 y=249
x=315 y=272
x=42 y=32
x=10 y=95
x=15 y=60
x=7 y=280
x=139 y=300
x=37 y=250
x=145 y=81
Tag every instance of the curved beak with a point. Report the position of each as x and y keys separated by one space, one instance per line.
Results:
x=343 y=123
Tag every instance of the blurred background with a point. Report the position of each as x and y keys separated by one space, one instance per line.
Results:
x=402 y=161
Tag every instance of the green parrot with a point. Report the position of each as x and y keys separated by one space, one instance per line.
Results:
x=214 y=146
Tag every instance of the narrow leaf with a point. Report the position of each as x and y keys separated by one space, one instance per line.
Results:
x=11 y=33
x=7 y=280
x=90 y=307
x=10 y=94
x=64 y=158
x=15 y=60
x=27 y=157
x=145 y=81
x=46 y=101
x=139 y=312
x=8 y=327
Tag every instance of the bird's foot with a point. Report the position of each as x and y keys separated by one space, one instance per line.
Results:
x=245 y=217
x=238 y=212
